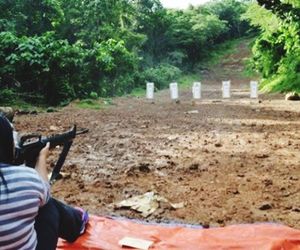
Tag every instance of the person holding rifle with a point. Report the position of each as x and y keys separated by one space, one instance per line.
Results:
x=29 y=217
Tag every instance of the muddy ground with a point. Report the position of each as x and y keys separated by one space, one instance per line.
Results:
x=230 y=161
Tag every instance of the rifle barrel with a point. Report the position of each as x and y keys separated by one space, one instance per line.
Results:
x=82 y=131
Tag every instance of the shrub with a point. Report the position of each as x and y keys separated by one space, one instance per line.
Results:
x=7 y=96
x=161 y=75
x=93 y=95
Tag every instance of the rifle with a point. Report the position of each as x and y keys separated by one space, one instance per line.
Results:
x=29 y=146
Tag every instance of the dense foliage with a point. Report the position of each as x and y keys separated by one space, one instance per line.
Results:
x=277 y=50
x=56 y=50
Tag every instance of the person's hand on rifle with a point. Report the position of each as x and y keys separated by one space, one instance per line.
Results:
x=41 y=164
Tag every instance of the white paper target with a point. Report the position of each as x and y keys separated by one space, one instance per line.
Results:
x=150 y=90
x=174 y=90
x=197 y=90
x=226 y=89
x=253 y=89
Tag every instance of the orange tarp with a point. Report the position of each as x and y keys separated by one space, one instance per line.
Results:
x=105 y=233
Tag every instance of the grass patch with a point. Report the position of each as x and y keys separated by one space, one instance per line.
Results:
x=221 y=51
x=248 y=64
x=248 y=70
x=281 y=83
x=99 y=103
x=186 y=81
x=138 y=92
x=89 y=104
x=19 y=104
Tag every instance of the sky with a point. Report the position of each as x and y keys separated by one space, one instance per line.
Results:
x=181 y=4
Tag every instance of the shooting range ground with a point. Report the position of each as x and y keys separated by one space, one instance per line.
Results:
x=234 y=161
x=230 y=161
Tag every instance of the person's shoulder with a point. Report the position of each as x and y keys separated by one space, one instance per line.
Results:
x=16 y=167
x=20 y=170
x=23 y=174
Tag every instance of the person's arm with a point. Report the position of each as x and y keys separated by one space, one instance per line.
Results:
x=41 y=166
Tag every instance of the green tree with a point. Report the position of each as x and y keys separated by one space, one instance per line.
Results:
x=30 y=17
x=57 y=50
x=276 y=51
x=230 y=11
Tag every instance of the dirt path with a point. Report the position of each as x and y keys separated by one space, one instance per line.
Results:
x=235 y=161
